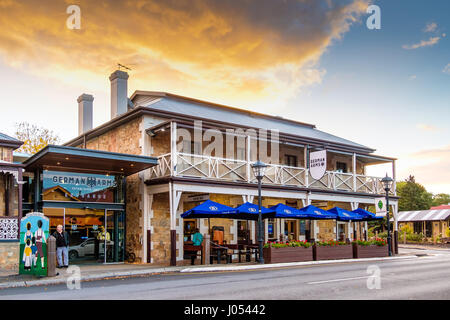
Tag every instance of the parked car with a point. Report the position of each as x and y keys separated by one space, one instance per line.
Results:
x=87 y=248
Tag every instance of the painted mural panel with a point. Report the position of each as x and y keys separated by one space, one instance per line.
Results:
x=34 y=232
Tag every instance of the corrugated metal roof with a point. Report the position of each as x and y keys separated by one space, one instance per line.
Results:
x=423 y=215
x=8 y=138
x=248 y=119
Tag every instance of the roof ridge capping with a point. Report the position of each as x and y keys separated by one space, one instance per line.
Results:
x=214 y=104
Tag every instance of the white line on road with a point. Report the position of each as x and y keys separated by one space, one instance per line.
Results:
x=337 y=280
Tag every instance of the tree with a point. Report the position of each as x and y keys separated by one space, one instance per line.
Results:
x=413 y=196
x=34 y=138
x=441 y=198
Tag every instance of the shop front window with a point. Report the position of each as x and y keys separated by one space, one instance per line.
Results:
x=82 y=187
x=96 y=235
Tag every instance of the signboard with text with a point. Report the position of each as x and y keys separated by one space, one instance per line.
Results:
x=317 y=164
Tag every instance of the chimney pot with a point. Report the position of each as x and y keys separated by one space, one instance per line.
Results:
x=85 y=112
x=119 y=93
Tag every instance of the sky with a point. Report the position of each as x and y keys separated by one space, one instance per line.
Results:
x=312 y=61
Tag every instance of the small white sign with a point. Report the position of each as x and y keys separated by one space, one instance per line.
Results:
x=317 y=164
x=195 y=198
x=380 y=207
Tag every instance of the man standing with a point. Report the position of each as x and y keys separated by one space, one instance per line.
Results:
x=62 y=244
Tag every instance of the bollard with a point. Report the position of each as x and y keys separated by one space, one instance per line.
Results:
x=51 y=256
x=206 y=249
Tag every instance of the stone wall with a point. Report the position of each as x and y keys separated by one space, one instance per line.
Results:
x=126 y=139
x=9 y=255
x=161 y=229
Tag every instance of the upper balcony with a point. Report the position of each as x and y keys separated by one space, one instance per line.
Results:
x=222 y=169
x=346 y=171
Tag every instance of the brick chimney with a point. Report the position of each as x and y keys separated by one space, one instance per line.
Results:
x=119 y=93
x=85 y=106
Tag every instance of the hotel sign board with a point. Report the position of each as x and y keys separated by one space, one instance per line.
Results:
x=317 y=164
x=380 y=207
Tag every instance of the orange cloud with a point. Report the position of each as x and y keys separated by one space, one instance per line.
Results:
x=226 y=51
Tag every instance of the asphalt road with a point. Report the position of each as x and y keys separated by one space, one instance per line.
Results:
x=424 y=277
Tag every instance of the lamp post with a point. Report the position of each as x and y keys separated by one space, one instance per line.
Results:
x=387 y=183
x=258 y=170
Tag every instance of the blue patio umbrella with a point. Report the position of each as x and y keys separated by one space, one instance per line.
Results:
x=366 y=215
x=344 y=215
x=210 y=209
x=287 y=212
x=250 y=211
x=316 y=213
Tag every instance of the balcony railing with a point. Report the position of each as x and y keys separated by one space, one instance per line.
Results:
x=206 y=167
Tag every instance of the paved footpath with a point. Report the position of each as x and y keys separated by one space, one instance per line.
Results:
x=100 y=272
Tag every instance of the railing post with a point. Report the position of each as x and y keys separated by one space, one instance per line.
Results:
x=206 y=249
x=248 y=159
x=354 y=172
x=51 y=256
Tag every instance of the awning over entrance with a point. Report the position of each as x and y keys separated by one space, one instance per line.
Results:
x=88 y=161
x=423 y=215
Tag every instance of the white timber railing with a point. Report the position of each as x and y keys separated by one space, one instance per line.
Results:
x=207 y=167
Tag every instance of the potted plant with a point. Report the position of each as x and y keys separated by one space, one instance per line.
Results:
x=289 y=251
x=331 y=250
x=370 y=249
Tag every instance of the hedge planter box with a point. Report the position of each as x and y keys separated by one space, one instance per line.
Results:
x=333 y=252
x=371 y=251
x=287 y=254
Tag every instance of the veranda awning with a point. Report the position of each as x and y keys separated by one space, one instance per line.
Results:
x=367 y=215
x=344 y=215
x=210 y=209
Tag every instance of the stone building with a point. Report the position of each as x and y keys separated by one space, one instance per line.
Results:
x=121 y=187
x=205 y=151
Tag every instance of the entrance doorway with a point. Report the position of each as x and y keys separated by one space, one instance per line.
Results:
x=96 y=235
x=290 y=229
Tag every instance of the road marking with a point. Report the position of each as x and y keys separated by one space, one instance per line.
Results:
x=337 y=280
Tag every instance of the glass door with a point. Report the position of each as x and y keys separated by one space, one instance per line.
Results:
x=114 y=236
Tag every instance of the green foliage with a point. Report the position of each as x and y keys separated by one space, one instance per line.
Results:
x=331 y=243
x=415 y=237
x=406 y=228
x=278 y=244
x=413 y=196
x=382 y=235
x=440 y=198
x=378 y=242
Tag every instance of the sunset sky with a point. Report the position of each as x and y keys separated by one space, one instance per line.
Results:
x=312 y=61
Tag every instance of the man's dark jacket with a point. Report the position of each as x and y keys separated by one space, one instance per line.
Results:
x=59 y=238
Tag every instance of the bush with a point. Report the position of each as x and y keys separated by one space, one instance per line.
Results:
x=378 y=242
x=331 y=243
x=278 y=244
x=416 y=237
x=382 y=235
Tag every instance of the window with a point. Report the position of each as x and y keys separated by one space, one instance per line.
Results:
x=290 y=160
x=341 y=167
x=189 y=229
x=271 y=229
x=418 y=225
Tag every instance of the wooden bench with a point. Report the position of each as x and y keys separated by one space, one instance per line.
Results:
x=192 y=251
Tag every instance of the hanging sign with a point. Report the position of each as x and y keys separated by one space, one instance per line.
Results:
x=380 y=207
x=317 y=164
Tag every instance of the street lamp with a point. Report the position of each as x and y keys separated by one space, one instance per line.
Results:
x=387 y=183
x=259 y=169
